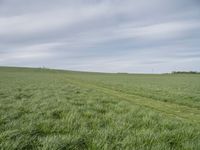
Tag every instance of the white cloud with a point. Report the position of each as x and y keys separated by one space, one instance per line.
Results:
x=156 y=31
x=36 y=23
x=101 y=35
x=32 y=52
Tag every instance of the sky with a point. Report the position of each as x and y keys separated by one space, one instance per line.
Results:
x=135 y=36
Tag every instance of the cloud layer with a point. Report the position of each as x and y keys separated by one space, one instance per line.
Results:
x=109 y=36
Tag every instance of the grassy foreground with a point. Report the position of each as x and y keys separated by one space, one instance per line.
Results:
x=51 y=109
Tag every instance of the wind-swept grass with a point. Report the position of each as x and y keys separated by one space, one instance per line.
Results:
x=47 y=109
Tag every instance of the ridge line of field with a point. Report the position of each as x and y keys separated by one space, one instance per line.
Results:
x=179 y=111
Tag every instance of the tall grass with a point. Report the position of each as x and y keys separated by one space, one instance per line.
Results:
x=39 y=109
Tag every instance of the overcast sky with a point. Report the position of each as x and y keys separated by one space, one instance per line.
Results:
x=149 y=36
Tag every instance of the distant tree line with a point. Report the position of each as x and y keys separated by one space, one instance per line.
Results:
x=185 y=72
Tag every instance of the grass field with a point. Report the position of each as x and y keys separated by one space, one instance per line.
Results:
x=54 y=109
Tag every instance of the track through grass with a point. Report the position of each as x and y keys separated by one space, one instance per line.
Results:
x=47 y=109
x=179 y=111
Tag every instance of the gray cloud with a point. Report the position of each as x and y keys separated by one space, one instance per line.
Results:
x=104 y=35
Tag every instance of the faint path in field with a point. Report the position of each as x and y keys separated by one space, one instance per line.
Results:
x=175 y=110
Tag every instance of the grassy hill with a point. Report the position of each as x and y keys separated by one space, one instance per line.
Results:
x=55 y=109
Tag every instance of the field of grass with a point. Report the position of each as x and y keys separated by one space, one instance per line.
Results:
x=54 y=109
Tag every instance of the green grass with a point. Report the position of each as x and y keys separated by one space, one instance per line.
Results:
x=52 y=109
